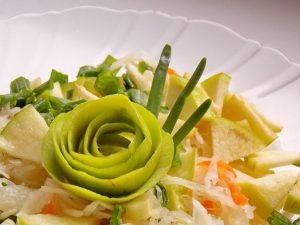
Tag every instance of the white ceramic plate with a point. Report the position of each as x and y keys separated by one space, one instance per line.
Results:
x=31 y=45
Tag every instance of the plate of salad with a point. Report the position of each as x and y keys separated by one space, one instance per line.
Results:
x=123 y=117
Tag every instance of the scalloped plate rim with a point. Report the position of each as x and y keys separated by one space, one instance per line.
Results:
x=158 y=12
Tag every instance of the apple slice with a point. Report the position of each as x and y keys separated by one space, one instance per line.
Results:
x=227 y=139
x=270 y=159
x=237 y=108
x=243 y=167
x=216 y=87
x=22 y=136
x=292 y=203
x=267 y=193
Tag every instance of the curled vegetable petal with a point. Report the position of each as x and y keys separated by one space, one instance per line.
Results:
x=110 y=149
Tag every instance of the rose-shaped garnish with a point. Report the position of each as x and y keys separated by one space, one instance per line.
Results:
x=109 y=149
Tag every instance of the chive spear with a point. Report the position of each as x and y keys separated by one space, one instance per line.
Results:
x=191 y=122
x=180 y=101
x=157 y=87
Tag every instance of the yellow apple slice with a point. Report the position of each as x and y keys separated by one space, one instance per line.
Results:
x=270 y=159
x=216 y=87
x=292 y=203
x=243 y=167
x=237 y=108
x=22 y=136
x=268 y=193
x=228 y=140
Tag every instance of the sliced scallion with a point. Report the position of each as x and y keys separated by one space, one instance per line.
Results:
x=179 y=103
x=116 y=218
x=191 y=122
x=155 y=95
x=18 y=84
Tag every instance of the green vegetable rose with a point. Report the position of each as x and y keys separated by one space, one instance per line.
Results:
x=109 y=149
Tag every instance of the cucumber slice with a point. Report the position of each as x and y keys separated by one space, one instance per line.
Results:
x=22 y=136
x=41 y=219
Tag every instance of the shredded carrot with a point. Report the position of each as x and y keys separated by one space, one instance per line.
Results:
x=211 y=207
x=171 y=71
x=226 y=176
x=50 y=207
x=237 y=196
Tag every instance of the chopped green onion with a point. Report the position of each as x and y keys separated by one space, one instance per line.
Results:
x=161 y=194
x=164 y=109
x=128 y=83
x=18 y=84
x=158 y=82
x=108 y=61
x=88 y=71
x=43 y=87
x=143 y=66
x=42 y=105
x=176 y=160
x=180 y=101
x=53 y=106
x=116 y=218
x=191 y=122
x=138 y=96
x=276 y=218
x=64 y=105
x=108 y=85
x=9 y=99
x=55 y=76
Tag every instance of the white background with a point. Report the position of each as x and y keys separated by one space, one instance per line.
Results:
x=274 y=23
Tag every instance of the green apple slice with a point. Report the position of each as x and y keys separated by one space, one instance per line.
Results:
x=243 y=167
x=292 y=203
x=228 y=140
x=216 y=87
x=270 y=159
x=267 y=193
x=42 y=219
x=237 y=108
x=22 y=136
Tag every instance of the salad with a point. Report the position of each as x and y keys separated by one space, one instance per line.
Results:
x=131 y=141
